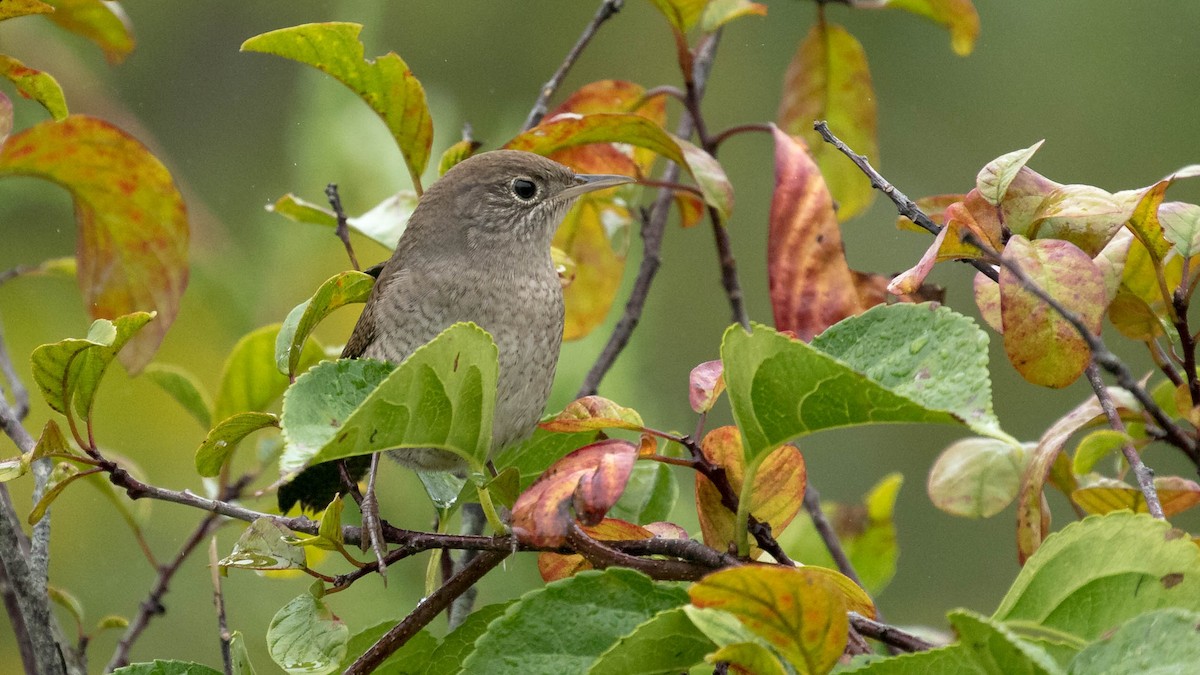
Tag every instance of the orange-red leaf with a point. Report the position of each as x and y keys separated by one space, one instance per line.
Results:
x=133 y=229
x=777 y=495
x=829 y=80
x=554 y=566
x=1040 y=343
x=590 y=479
x=812 y=287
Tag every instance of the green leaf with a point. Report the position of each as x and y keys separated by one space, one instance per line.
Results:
x=61 y=476
x=955 y=659
x=738 y=644
x=402 y=662
x=238 y=656
x=667 y=643
x=386 y=84
x=1096 y=446
x=710 y=178
x=829 y=79
x=1097 y=573
x=442 y=396
x=565 y=626
x=224 y=438
x=1155 y=643
x=384 y=223
x=133 y=228
x=682 y=14
x=183 y=386
x=306 y=637
x=250 y=381
x=649 y=495
x=535 y=454
x=63 y=598
x=161 y=667
x=1181 y=226
x=264 y=546
x=14 y=467
x=720 y=12
x=455 y=154
x=104 y=23
x=69 y=371
x=336 y=292
x=112 y=621
x=447 y=658
x=993 y=180
x=36 y=85
x=977 y=477
x=918 y=364
x=996 y=649
x=302 y=211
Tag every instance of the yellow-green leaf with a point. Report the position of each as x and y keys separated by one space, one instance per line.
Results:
x=589 y=236
x=829 y=80
x=36 y=85
x=104 y=23
x=14 y=8
x=958 y=16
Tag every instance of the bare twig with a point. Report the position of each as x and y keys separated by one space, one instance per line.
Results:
x=343 y=228
x=219 y=603
x=729 y=275
x=653 y=225
x=602 y=556
x=1101 y=355
x=607 y=9
x=812 y=505
x=1143 y=473
x=426 y=611
x=1180 y=301
x=18 y=392
x=889 y=635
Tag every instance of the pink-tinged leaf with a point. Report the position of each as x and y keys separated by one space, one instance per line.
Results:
x=1032 y=517
x=1144 y=221
x=829 y=80
x=591 y=479
x=1040 y=343
x=133 y=229
x=812 y=287
x=720 y=12
x=1111 y=261
x=14 y=8
x=705 y=385
x=36 y=85
x=987 y=299
x=958 y=16
x=1083 y=215
x=104 y=23
x=911 y=279
x=1023 y=199
x=993 y=180
x=664 y=530
x=385 y=83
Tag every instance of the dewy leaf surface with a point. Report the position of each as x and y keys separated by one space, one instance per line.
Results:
x=1102 y=571
x=306 y=637
x=565 y=626
x=133 y=229
x=828 y=79
x=442 y=396
x=386 y=84
x=919 y=364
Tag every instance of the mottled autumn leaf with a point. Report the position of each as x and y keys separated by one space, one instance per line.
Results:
x=591 y=413
x=104 y=23
x=776 y=497
x=1084 y=215
x=14 y=8
x=133 y=229
x=587 y=235
x=554 y=566
x=801 y=611
x=610 y=96
x=987 y=299
x=1105 y=495
x=829 y=80
x=811 y=284
x=933 y=206
x=994 y=178
x=589 y=481
x=36 y=85
x=1144 y=221
x=1023 y=199
x=386 y=83
x=457 y=153
x=1040 y=343
x=971 y=219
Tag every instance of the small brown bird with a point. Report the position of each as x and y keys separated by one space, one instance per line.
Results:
x=477 y=248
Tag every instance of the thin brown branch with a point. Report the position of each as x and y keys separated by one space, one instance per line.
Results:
x=602 y=556
x=426 y=611
x=1181 y=301
x=219 y=602
x=608 y=8
x=889 y=635
x=1143 y=474
x=729 y=274
x=653 y=225
x=343 y=228
x=812 y=505
x=725 y=135
x=1101 y=355
x=16 y=388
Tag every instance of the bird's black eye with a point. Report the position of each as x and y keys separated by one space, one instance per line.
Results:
x=524 y=189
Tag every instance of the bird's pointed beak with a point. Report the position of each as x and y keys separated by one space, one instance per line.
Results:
x=589 y=182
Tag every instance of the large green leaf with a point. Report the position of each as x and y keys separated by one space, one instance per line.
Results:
x=460 y=642
x=1097 y=573
x=667 y=643
x=160 y=667
x=896 y=363
x=306 y=637
x=442 y=396
x=997 y=649
x=385 y=83
x=250 y=380
x=339 y=290
x=1157 y=643
x=565 y=626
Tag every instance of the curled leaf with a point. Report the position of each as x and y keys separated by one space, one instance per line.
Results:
x=705 y=384
x=591 y=413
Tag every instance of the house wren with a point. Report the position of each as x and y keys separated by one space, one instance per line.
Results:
x=477 y=248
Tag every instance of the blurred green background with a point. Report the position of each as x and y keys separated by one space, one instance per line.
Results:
x=1113 y=86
